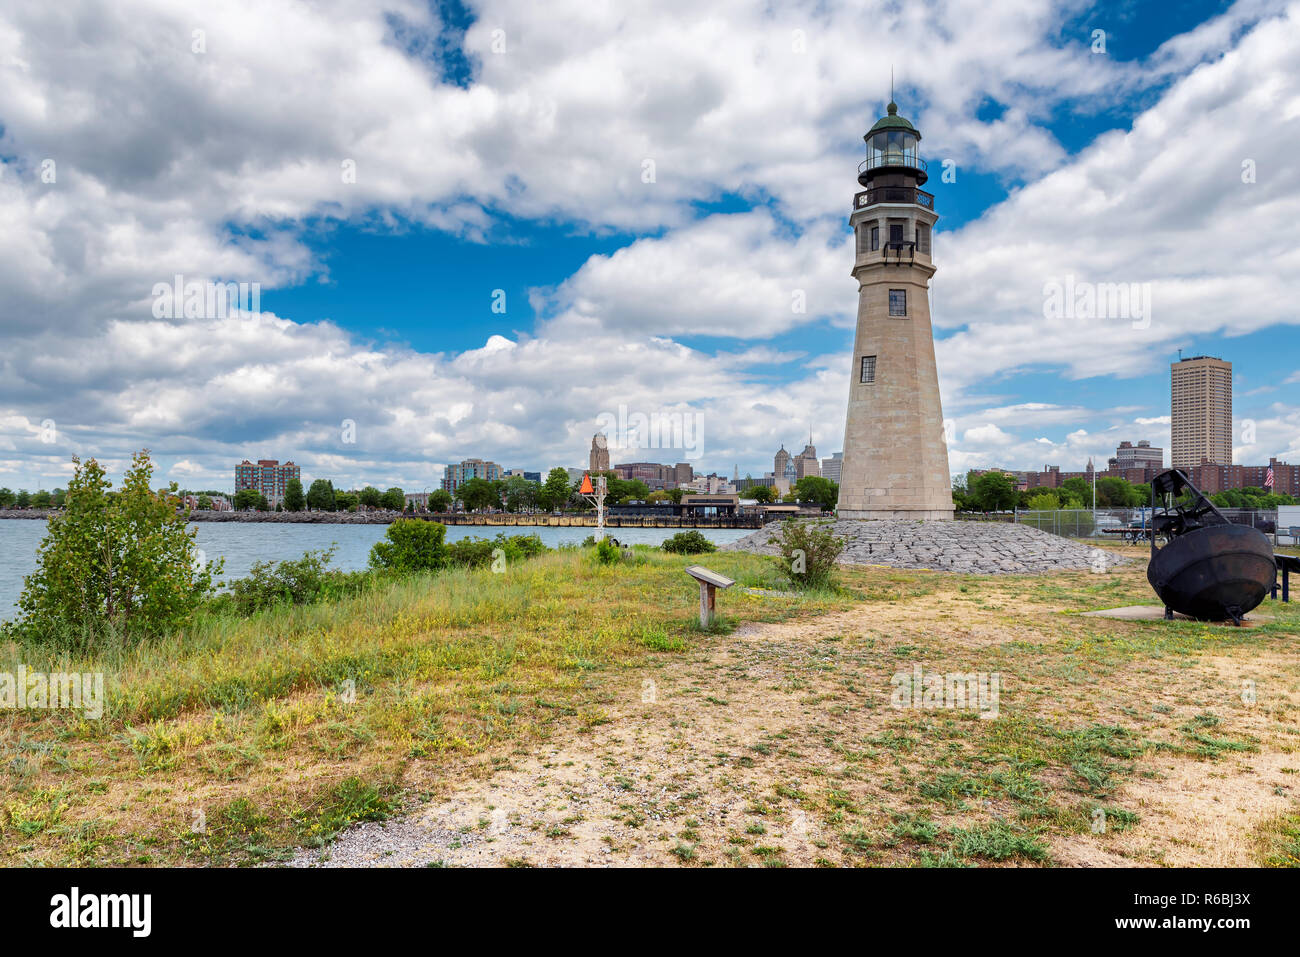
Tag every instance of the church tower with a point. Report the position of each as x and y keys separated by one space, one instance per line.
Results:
x=895 y=453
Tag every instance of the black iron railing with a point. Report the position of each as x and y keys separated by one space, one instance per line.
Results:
x=892 y=161
x=893 y=194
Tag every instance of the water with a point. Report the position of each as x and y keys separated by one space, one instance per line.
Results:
x=242 y=544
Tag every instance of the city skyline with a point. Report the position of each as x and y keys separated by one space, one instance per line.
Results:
x=424 y=289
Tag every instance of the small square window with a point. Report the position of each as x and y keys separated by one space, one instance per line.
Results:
x=898 y=302
x=868 y=369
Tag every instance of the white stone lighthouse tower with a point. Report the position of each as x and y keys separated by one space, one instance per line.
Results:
x=895 y=453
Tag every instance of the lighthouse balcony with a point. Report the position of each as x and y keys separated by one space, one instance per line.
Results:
x=892 y=159
x=893 y=194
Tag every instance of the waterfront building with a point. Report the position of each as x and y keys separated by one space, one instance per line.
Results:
x=267 y=476
x=458 y=474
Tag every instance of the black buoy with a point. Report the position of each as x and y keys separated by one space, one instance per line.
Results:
x=1209 y=568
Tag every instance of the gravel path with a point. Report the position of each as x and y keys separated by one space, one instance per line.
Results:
x=977 y=548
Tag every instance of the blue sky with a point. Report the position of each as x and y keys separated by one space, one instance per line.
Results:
x=497 y=147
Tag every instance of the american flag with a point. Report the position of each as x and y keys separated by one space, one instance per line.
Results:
x=1268 y=478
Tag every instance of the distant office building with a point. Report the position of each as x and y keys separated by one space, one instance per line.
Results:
x=711 y=484
x=575 y=475
x=1130 y=456
x=745 y=484
x=831 y=467
x=780 y=462
x=598 y=460
x=529 y=476
x=458 y=475
x=1200 y=412
x=655 y=475
x=805 y=464
x=268 y=477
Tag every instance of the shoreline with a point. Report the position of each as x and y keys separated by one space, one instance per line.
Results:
x=492 y=520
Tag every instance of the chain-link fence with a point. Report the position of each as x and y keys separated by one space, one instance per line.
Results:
x=1120 y=524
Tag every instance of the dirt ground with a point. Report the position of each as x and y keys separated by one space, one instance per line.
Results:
x=777 y=745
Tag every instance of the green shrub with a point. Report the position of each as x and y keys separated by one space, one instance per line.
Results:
x=688 y=543
x=470 y=552
x=480 y=552
x=410 y=545
x=121 y=565
x=607 y=553
x=808 y=552
x=297 y=582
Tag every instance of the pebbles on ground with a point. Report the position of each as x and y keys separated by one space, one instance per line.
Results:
x=976 y=548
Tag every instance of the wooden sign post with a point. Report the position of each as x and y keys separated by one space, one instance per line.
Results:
x=710 y=582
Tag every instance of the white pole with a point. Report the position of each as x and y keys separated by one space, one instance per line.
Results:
x=1094 y=498
x=600 y=508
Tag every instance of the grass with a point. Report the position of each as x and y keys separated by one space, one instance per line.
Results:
x=240 y=741
x=281 y=729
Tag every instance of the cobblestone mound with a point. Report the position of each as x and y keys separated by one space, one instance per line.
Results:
x=976 y=548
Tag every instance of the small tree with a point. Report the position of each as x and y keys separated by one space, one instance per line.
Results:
x=763 y=494
x=113 y=564
x=410 y=544
x=818 y=490
x=6 y=497
x=439 y=500
x=24 y=499
x=477 y=493
x=41 y=499
x=246 y=498
x=808 y=553
x=370 y=497
x=688 y=543
x=521 y=495
x=994 y=492
x=555 y=490
x=320 y=496
x=205 y=503
x=294 y=499
x=394 y=500
x=1044 y=502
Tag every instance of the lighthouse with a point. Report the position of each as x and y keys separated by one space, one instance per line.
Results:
x=895 y=451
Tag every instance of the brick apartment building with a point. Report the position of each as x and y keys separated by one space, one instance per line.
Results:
x=268 y=476
x=655 y=475
x=1208 y=476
